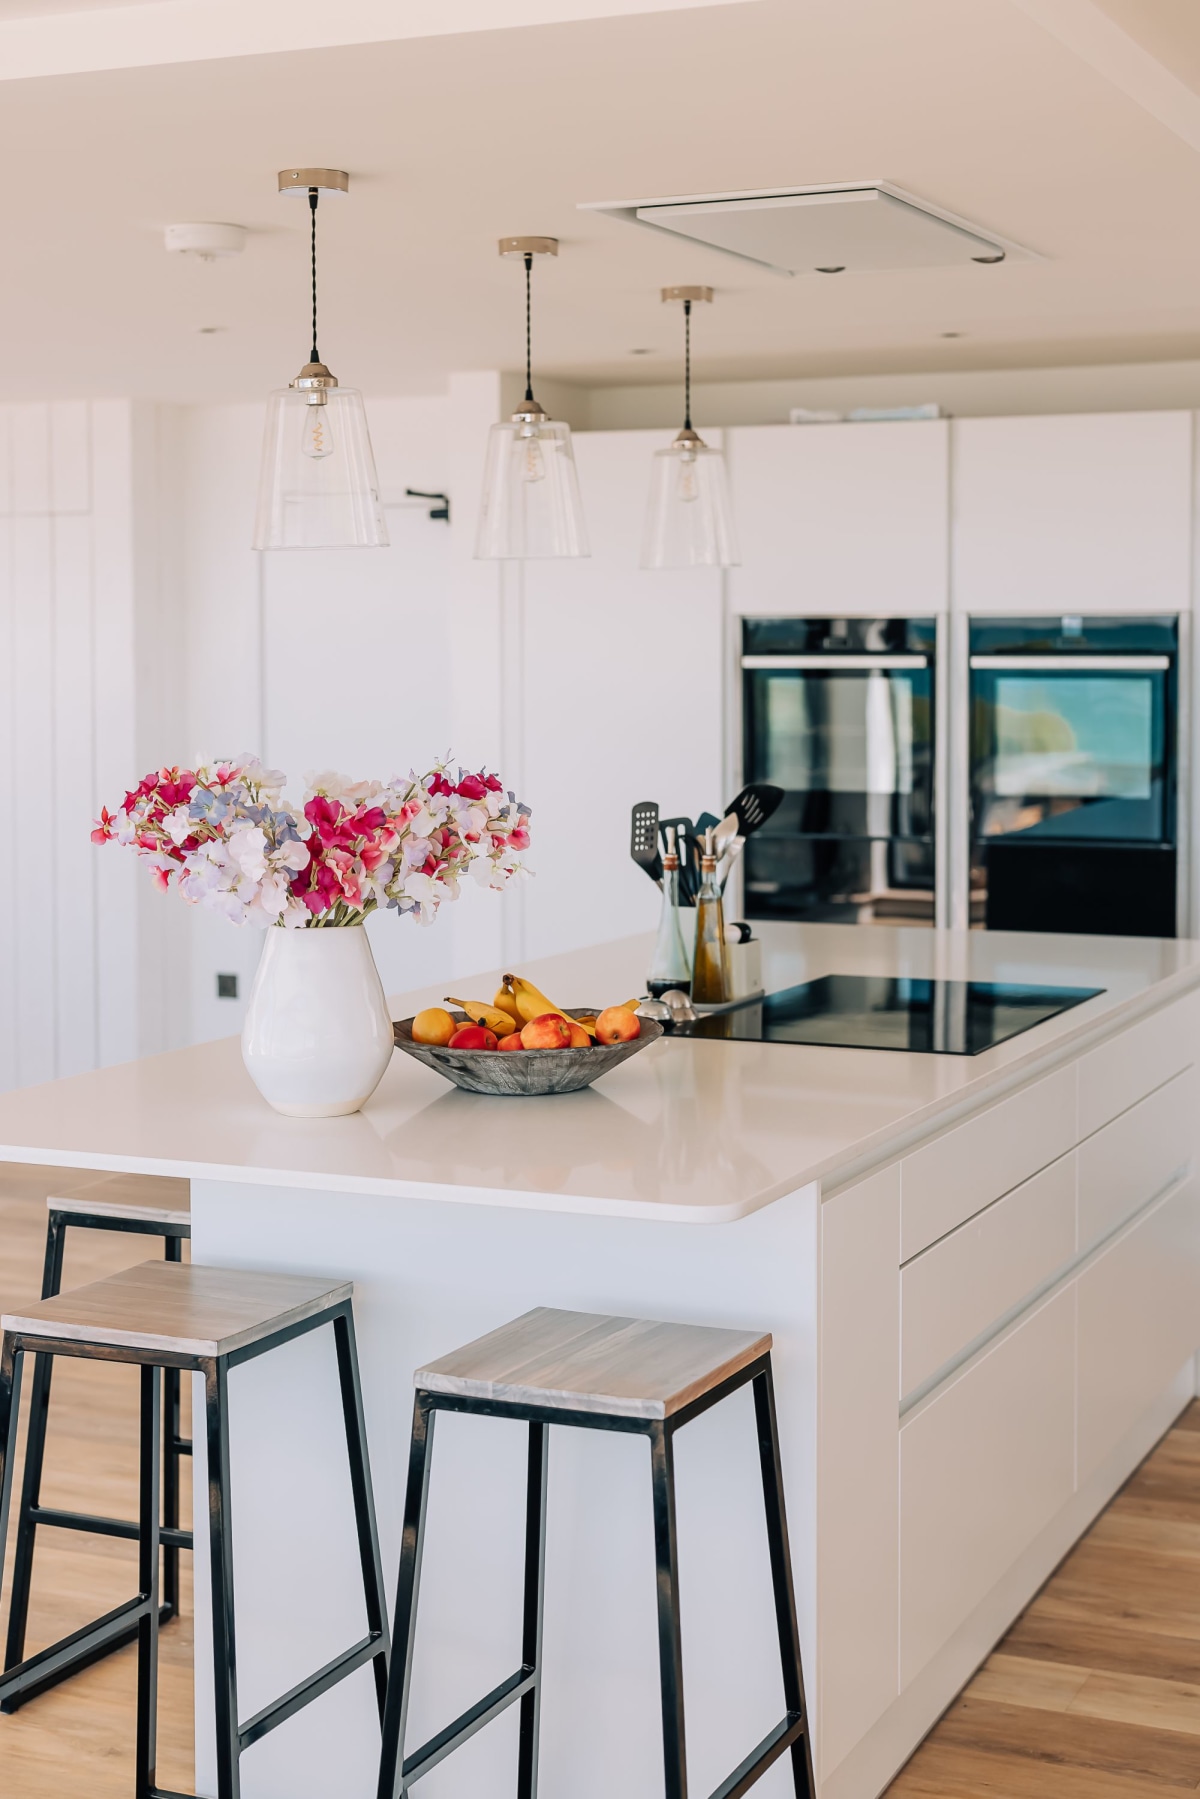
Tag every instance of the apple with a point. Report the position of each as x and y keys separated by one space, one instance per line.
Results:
x=512 y=1041
x=550 y=1031
x=472 y=1036
x=433 y=1025
x=579 y=1037
x=617 y=1024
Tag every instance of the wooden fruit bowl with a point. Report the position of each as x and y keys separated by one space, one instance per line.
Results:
x=525 y=1071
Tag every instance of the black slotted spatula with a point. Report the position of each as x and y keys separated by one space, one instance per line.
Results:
x=643 y=839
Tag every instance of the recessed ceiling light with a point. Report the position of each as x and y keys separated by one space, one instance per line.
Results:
x=641 y=352
x=205 y=241
x=836 y=268
x=211 y=330
x=954 y=334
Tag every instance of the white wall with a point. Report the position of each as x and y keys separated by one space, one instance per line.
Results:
x=375 y=661
x=85 y=610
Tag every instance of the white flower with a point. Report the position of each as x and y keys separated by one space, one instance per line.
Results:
x=420 y=886
x=178 y=824
x=248 y=850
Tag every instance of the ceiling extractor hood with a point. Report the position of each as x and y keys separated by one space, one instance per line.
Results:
x=841 y=227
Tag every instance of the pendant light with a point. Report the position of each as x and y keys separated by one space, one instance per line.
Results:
x=318 y=488
x=689 y=520
x=531 y=506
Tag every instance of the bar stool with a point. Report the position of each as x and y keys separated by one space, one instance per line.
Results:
x=595 y=1373
x=166 y=1315
x=144 y=1206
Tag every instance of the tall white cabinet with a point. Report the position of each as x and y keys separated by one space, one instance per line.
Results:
x=1086 y=513
x=618 y=695
x=840 y=520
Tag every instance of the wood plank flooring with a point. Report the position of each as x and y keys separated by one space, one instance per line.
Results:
x=77 y=1739
x=1094 y=1693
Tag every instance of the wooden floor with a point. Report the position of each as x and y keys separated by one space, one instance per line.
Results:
x=77 y=1739
x=1094 y=1693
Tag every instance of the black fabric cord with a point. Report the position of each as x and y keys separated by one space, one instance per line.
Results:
x=313 y=195
x=687 y=365
x=529 y=328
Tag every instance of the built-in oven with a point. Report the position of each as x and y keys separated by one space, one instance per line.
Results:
x=840 y=714
x=1073 y=771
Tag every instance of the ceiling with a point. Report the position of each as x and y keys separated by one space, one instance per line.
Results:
x=985 y=108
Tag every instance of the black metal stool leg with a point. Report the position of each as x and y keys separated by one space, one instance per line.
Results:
x=149 y=1516
x=35 y=1455
x=364 y=1505
x=781 y=1579
x=670 y=1642
x=10 y=1396
x=216 y=1393
x=534 y=1609
x=404 y=1630
x=172 y=1252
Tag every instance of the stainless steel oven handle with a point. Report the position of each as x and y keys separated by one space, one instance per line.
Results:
x=1067 y=665
x=829 y=663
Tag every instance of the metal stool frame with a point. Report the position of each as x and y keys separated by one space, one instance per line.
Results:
x=31 y=1512
x=399 y=1773
x=140 y=1615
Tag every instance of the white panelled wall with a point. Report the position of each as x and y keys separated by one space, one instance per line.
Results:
x=139 y=627
x=86 y=634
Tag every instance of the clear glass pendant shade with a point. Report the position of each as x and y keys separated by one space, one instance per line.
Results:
x=531 y=505
x=318 y=488
x=689 y=519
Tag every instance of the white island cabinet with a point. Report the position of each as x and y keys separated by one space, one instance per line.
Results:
x=983 y=1279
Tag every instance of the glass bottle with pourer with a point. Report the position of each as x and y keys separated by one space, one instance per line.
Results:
x=318 y=488
x=671 y=965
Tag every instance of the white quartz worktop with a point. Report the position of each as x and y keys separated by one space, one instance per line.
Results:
x=686 y=1131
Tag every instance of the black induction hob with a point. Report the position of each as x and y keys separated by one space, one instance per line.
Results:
x=855 y=1011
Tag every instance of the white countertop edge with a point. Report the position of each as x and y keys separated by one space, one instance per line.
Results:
x=521 y=1199
x=833 y=1173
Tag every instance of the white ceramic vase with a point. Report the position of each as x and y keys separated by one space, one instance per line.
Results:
x=317 y=1035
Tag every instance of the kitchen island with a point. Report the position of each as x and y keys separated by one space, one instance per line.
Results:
x=983 y=1279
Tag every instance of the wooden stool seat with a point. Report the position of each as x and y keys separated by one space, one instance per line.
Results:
x=145 y=1198
x=165 y=1318
x=178 y=1309
x=592 y=1362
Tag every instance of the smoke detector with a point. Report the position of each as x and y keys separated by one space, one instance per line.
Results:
x=205 y=241
x=834 y=229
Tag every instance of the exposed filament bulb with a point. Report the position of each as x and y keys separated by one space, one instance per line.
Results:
x=689 y=480
x=533 y=461
x=316 y=439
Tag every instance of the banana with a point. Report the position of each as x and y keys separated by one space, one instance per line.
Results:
x=480 y=1013
x=506 y=1001
x=531 y=1003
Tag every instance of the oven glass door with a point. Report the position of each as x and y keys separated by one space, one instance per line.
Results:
x=1071 y=752
x=852 y=748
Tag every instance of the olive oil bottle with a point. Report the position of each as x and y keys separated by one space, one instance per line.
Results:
x=710 y=963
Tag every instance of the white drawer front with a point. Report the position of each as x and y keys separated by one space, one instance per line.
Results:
x=1135 y=1156
x=983 y=1468
x=955 y=1176
x=951 y=1294
x=1119 y=1073
x=1139 y=1321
